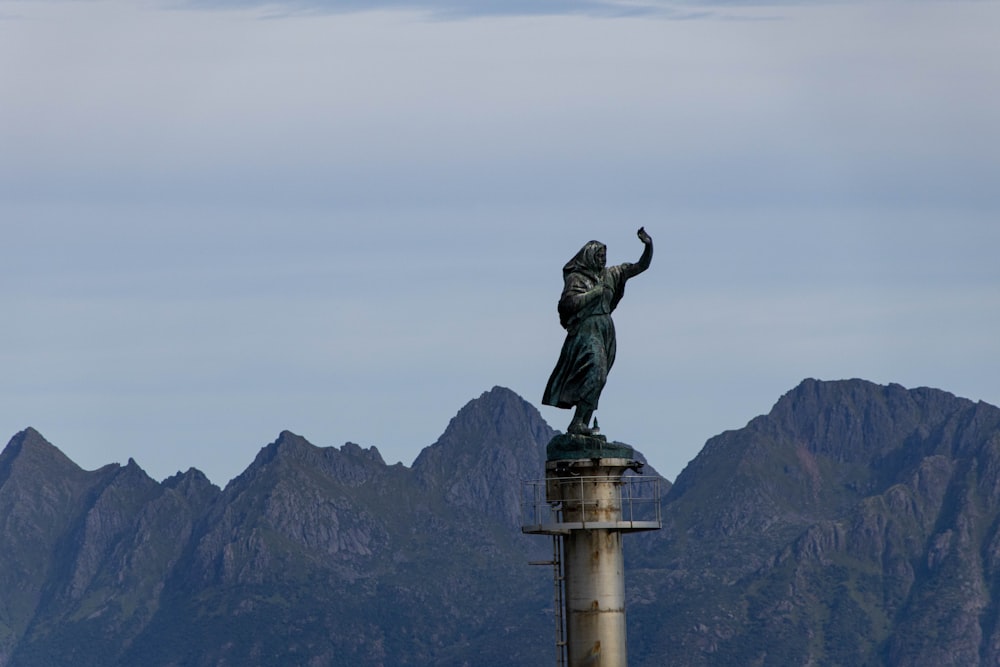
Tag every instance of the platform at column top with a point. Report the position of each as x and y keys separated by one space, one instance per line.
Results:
x=569 y=446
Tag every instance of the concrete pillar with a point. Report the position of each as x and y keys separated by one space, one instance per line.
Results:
x=594 y=571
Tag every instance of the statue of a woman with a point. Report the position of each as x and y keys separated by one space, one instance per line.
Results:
x=591 y=291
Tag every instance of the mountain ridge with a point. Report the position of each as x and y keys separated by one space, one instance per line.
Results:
x=837 y=501
x=854 y=523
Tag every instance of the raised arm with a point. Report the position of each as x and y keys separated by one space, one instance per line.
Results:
x=647 y=254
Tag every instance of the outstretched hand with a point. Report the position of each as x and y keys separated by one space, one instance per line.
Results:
x=643 y=236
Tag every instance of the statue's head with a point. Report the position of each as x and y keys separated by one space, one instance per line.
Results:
x=592 y=258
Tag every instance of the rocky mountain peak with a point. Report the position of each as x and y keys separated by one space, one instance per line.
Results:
x=194 y=486
x=287 y=444
x=289 y=449
x=824 y=447
x=494 y=439
x=856 y=420
x=30 y=450
x=192 y=477
x=369 y=454
x=292 y=448
x=499 y=418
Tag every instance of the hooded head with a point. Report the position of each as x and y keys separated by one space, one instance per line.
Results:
x=591 y=260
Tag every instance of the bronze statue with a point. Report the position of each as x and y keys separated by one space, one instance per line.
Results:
x=591 y=291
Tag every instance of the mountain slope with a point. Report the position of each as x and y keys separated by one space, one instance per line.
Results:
x=490 y=442
x=109 y=537
x=855 y=524
x=312 y=555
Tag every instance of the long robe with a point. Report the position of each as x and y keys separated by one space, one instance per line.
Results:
x=589 y=296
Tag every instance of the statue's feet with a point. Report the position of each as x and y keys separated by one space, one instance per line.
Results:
x=580 y=429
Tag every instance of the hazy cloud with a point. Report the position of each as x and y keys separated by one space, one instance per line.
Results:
x=467 y=9
x=448 y=9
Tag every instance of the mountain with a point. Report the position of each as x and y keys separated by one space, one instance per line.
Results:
x=855 y=524
x=313 y=555
x=83 y=552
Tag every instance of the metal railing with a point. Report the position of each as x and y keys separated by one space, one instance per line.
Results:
x=634 y=507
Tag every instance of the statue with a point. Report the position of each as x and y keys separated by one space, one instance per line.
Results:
x=591 y=291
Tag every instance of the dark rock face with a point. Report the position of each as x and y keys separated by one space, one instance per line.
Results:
x=855 y=524
x=84 y=553
x=317 y=556
x=483 y=451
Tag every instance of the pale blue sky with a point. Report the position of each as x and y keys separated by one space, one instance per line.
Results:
x=222 y=220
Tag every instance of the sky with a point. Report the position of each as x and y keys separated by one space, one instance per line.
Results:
x=225 y=219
